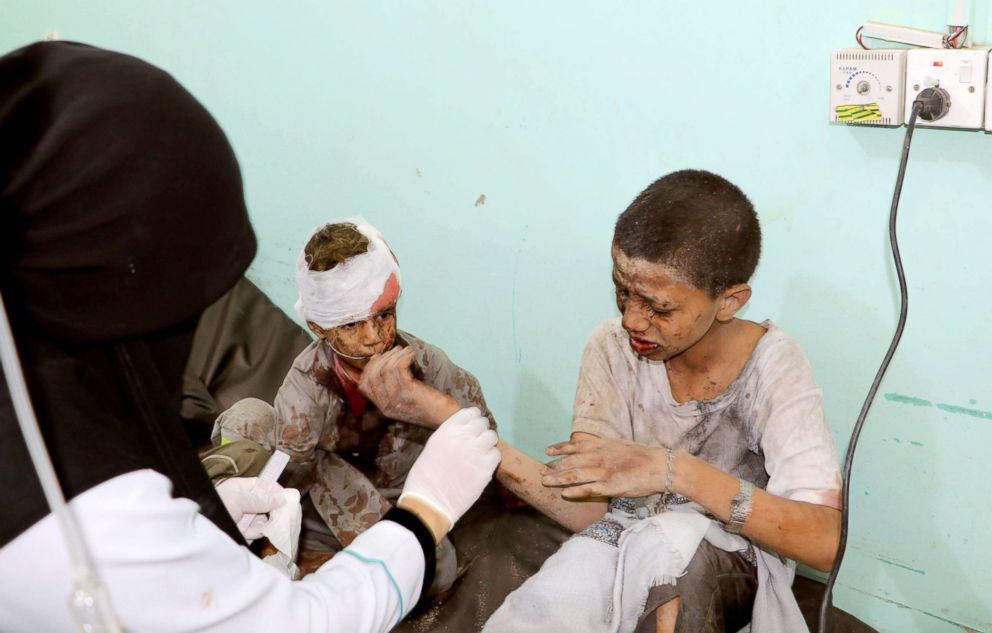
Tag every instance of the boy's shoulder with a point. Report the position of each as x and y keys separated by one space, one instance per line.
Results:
x=434 y=367
x=428 y=355
x=778 y=352
x=305 y=360
x=419 y=346
x=609 y=335
x=775 y=339
x=609 y=344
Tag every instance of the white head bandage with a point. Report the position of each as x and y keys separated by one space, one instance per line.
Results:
x=349 y=291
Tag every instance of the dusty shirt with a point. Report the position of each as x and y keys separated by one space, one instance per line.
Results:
x=359 y=462
x=768 y=427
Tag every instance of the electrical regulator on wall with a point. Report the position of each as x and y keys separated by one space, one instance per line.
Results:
x=878 y=86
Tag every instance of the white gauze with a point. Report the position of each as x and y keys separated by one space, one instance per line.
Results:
x=345 y=293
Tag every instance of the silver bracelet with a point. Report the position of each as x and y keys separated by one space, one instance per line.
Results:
x=740 y=507
x=669 y=476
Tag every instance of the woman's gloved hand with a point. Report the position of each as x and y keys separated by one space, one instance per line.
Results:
x=454 y=467
x=250 y=495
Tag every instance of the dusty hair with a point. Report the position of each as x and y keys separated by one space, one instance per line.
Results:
x=333 y=244
x=696 y=222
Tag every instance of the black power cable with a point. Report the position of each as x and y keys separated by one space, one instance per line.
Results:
x=930 y=105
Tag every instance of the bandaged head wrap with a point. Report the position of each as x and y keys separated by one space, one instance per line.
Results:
x=355 y=289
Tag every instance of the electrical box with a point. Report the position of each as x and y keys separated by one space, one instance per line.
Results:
x=867 y=87
x=961 y=72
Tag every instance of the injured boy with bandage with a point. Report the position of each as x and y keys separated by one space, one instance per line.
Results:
x=702 y=434
x=351 y=456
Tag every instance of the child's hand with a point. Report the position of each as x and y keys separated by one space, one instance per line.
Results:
x=388 y=382
x=597 y=467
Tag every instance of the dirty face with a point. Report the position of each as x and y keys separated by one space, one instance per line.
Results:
x=663 y=315
x=363 y=339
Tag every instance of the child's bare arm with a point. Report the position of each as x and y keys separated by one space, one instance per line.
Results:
x=389 y=383
x=521 y=474
x=805 y=532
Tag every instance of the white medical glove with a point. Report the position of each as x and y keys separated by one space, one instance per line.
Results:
x=250 y=495
x=455 y=465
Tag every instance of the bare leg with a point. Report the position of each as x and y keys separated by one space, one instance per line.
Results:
x=667 y=615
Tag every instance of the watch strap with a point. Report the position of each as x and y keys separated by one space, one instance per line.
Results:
x=740 y=507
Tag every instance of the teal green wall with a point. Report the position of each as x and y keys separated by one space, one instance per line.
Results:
x=559 y=113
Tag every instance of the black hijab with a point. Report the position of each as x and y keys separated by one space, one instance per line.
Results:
x=122 y=217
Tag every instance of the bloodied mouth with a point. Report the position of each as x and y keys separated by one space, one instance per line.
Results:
x=641 y=346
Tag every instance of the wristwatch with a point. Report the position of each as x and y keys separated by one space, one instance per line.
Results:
x=740 y=507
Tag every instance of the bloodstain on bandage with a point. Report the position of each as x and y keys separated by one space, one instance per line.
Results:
x=390 y=294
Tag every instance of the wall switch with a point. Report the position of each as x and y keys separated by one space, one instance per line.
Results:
x=961 y=72
x=867 y=87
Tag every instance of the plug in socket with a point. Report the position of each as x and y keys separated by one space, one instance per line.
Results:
x=960 y=73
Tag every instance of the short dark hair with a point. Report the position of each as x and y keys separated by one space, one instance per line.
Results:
x=696 y=222
x=333 y=244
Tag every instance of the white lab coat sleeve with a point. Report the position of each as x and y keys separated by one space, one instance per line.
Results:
x=168 y=568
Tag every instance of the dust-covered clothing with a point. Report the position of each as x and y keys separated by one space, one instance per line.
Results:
x=718 y=600
x=768 y=427
x=354 y=459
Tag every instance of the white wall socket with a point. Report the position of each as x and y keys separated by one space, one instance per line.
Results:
x=867 y=87
x=961 y=72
